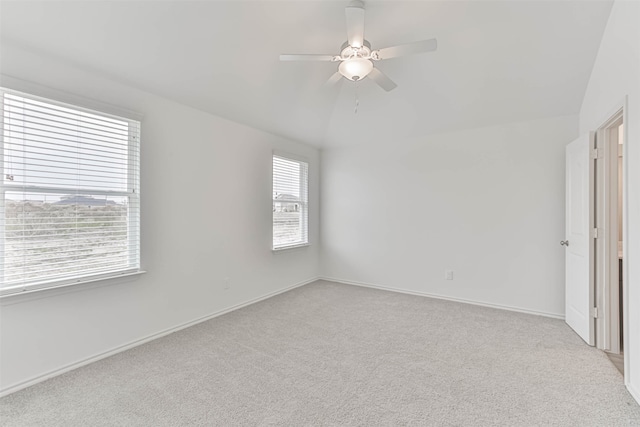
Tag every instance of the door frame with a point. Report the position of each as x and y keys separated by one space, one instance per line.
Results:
x=606 y=264
x=606 y=249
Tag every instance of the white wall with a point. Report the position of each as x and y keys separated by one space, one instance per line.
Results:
x=206 y=215
x=487 y=203
x=616 y=74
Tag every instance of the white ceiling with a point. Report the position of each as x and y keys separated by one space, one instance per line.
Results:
x=497 y=61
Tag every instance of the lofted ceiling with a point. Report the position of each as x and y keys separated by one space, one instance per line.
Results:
x=497 y=61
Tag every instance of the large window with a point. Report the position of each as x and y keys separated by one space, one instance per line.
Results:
x=290 y=202
x=69 y=194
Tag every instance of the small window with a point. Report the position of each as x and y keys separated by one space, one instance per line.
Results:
x=290 y=202
x=69 y=194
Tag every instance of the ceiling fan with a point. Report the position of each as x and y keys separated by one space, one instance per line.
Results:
x=356 y=57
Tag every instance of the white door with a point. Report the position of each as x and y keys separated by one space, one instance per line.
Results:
x=579 y=291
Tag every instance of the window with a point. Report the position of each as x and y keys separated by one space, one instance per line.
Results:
x=69 y=194
x=290 y=202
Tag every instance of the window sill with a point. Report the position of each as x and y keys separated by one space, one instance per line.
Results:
x=286 y=248
x=20 y=295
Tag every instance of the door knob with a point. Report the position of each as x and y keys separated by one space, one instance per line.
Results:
x=564 y=242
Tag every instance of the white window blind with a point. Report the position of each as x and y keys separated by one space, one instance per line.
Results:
x=290 y=202
x=70 y=199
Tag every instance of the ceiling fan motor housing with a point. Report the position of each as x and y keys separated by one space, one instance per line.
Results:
x=347 y=51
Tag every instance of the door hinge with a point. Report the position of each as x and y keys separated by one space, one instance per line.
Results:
x=594 y=312
x=594 y=233
x=596 y=153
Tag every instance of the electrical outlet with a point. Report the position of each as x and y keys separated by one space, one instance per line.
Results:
x=226 y=283
x=448 y=274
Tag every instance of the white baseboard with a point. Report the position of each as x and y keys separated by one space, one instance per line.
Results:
x=132 y=344
x=634 y=392
x=444 y=297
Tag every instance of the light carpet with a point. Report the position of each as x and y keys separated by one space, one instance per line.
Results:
x=333 y=354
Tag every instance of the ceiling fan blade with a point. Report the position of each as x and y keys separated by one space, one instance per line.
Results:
x=355 y=23
x=408 y=49
x=382 y=80
x=335 y=78
x=306 y=57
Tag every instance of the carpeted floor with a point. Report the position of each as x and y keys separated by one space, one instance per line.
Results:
x=332 y=354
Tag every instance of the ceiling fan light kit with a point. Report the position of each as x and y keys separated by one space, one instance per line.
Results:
x=356 y=57
x=355 y=69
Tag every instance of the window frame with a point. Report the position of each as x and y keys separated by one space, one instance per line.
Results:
x=132 y=191
x=304 y=200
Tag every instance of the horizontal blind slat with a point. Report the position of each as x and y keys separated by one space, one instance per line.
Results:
x=66 y=155
x=19 y=102
x=21 y=125
x=58 y=275
x=73 y=261
x=38 y=117
x=57 y=164
x=18 y=131
x=36 y=141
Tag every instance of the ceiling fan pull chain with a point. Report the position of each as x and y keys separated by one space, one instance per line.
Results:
x=355 y=111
